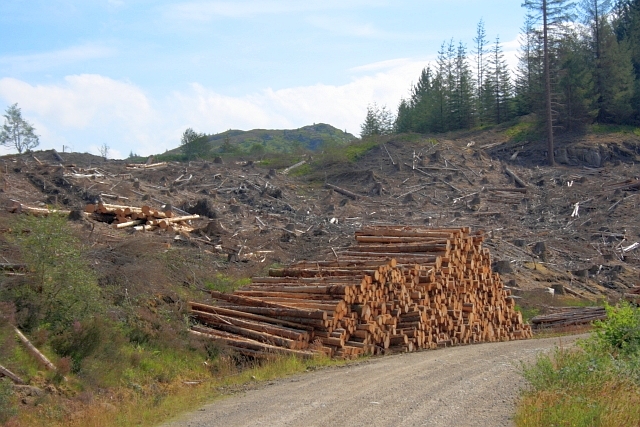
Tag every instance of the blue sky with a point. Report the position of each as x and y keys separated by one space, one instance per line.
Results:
x=135 y=74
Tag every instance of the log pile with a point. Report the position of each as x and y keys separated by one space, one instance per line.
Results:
x=399 y=289
x=140 y=218
x=569 y=316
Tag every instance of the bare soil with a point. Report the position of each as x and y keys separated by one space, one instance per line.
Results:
x=469 y=386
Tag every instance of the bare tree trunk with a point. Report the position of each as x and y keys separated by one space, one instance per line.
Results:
x=547 y=88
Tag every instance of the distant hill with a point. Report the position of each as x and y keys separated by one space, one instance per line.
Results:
x=310 y=137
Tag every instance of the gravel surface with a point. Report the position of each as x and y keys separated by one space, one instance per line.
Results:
x=473 y=385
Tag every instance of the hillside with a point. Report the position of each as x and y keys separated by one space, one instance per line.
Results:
x=258 y=141
x=573 y=227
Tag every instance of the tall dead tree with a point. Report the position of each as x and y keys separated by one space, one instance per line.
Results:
x=552 y=13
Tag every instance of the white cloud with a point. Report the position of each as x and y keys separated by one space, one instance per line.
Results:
x=343 y=106
x=86 y=111
x=45 y=60
x=88 y=106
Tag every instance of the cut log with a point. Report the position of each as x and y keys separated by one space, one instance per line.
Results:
x=13 y=377
x=342 y=191
x=516 y=178
x=35 y=352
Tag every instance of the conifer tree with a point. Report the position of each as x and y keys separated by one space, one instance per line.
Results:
x=552 y=13
x=480 y=51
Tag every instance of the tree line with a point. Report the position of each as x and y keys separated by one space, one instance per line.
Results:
x=578 y=64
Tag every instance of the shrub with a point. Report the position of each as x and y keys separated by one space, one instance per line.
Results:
x=61 y=288
x=7 y=401
x=620 y=333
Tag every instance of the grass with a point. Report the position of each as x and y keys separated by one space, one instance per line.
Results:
x=572 y=388
x=521 y=132
x=595 y=384
x=144 y=407
x=357 y=149
x=620 y=129
x=224 y=283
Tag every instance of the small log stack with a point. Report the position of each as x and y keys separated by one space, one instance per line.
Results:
x=399 y=289
x=569 y=316
x=140 y=218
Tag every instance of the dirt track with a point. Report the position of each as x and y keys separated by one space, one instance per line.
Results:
x=461 y=386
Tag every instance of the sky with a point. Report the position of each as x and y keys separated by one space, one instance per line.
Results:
x=134 y=74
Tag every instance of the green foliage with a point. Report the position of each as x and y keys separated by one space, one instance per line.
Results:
x=378 y=121
x=261 y=143
x=223 y=283
x=620 y=333
x=7 y=401
x=523 y=131
x=303 y=170
x=16 y=132
x=78 y=342
x=61 y=288
x=194 y=145
x=597 y=384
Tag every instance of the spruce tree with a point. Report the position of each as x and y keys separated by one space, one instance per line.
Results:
x=480 y=51
x=552 y=13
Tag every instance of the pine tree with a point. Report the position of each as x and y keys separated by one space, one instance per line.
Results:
x=627 y=29
x=480 y=51
x=462 y=92
x=529 y=87
x=552 y=13
x=17 y=132
x=617 y=79
x=575 y=84
x=499 y=85
x=378 y=121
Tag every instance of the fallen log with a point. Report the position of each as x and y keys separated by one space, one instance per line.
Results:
x=516 y=178
x=342 y=191
x=34 y=351
x=13 y=377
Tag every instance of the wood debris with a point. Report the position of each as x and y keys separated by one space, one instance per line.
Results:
x=140 y=218
x=569 y=316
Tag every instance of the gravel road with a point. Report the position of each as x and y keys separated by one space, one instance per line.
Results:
x=465 y=386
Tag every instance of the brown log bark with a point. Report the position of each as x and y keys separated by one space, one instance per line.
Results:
x=34 y=351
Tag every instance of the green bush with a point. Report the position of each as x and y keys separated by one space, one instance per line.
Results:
x=620 y=333
x=78 y=342
x=61 y=289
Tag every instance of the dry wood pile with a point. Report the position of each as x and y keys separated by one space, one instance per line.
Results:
x=142 y=219
x=400 y=288
x=569 y=316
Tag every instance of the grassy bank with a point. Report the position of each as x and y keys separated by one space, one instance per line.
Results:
x=113 y=321
x=124 y=406
x=595 y=384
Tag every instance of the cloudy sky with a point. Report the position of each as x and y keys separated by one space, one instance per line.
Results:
x=134 y=74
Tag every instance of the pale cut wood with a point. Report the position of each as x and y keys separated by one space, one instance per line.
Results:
x=13 y=377
x=34 y=351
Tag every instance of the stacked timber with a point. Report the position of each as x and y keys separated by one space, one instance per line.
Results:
x=398 y=289
x=140 y=218
x=569 y=316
